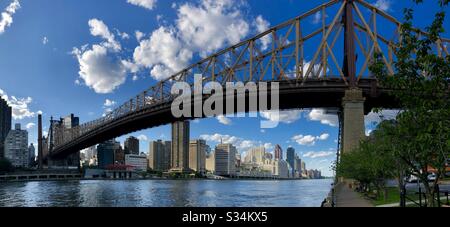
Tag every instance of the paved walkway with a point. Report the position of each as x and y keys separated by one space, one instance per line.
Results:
x=346 y=197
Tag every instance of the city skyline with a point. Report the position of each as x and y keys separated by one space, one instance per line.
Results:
x=159 y=158
x=312 y=133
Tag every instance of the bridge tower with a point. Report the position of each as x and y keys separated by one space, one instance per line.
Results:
x=353 y=101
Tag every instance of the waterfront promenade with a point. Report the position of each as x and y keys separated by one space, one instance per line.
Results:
x=346 y=197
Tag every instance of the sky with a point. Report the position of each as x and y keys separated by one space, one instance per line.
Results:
x=88 y=56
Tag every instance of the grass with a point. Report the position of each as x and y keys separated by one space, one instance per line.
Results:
x=393 y=196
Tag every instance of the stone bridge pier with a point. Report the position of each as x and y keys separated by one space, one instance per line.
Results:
x=353 y=127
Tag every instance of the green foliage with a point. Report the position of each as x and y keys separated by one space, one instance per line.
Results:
x=421 y=132
x=369 y=165
x=5 y=165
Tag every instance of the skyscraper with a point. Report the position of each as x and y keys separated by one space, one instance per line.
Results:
x=31 y=155
x=159 y=155
x=225 y=163
x=278 y=152
x=180 y=147
x=256 y=155
x=16 y=147
x=131 y=145
x=5 y=124
x=59 y=131
x=298 y=166
x=90 y=156
x=290 y=158
x=70 y=122
x=119 y=154
x=210 y=162
x=197 y=155
x=105 y=152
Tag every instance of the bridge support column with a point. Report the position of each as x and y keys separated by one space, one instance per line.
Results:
x=353 y=119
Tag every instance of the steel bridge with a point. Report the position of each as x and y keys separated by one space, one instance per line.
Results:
x=318 y=65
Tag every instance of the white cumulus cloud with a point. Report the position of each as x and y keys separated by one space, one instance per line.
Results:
x=101 y=67
x=163 y=53
x=200 y=28
x=323 y=117
x=317 y=18
x=374 y=118
x=109 y=103
x=142 y=138
x=211 y=25
x=241 y=144
x=148 y=4
x=139 y=35
x=287 y=117
x=263 y=25
x=20 y=106
x=224 y=120
x=30 y=125
x=384 y=5
x=309 y=140
x=45 y=40
x=319 y=154
x=7 y=15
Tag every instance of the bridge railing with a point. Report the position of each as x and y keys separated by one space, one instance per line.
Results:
x=304 y=48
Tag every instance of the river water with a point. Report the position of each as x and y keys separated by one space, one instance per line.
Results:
x=165 y=193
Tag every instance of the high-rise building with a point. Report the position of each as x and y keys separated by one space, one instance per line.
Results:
x=89 y=156
x=210 y=162
x=70 y=122
x=59 y=131
x=290 y=156
x=137 y=162
x=314 y=174
x=5 y=124
x=119 y=154
x=31 y=155
x=268 y=156
x=180 y=147
x=238 y=160
x=278 y=152
x=298 y=167
x=225 y=155
x=290 y=159
x=277 y=168
x=16 y=147
x=105 y=152
x=159 y=155
x=132 y=145
x=197 y=155
x=90 y=153
x=256 y=155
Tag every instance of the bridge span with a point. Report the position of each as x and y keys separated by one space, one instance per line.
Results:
x=326 y=66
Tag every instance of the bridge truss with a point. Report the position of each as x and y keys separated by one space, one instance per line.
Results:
x=306 y=48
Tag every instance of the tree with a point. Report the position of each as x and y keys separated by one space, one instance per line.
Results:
x=421 y=133
x=5 y=165
x=388 y=147
x=369 y=165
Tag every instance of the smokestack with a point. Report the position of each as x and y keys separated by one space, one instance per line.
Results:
x=40 y=147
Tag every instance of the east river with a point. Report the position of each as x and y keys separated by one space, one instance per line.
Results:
x=165 y=193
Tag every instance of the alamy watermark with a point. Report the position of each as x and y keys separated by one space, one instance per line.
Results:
x=229 y=100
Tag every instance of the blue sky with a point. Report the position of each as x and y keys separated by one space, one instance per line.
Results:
x=43 y=43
